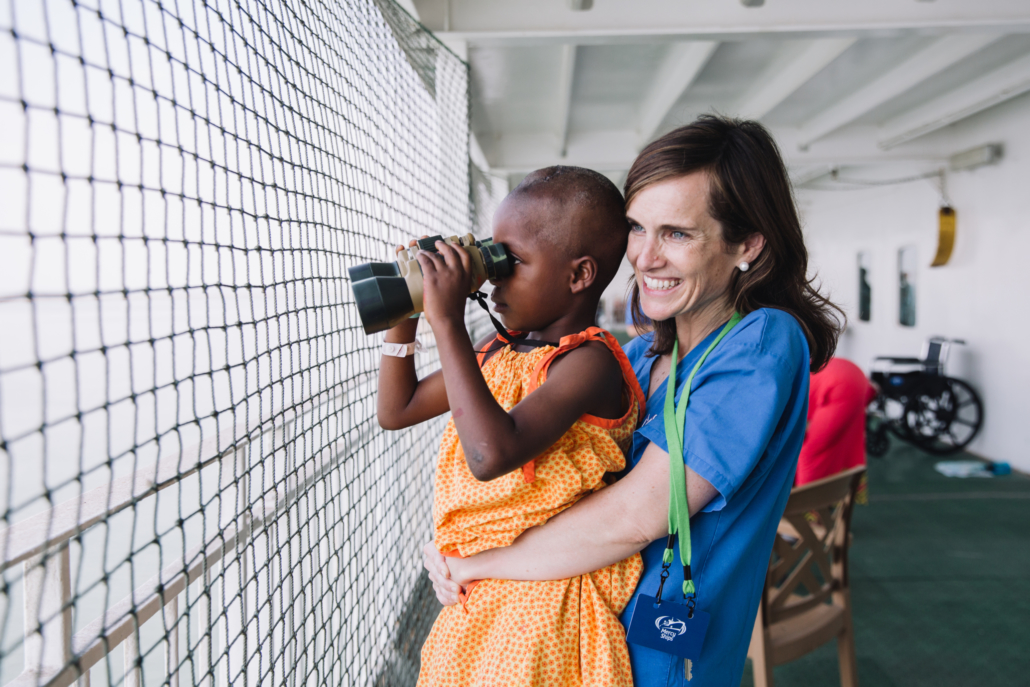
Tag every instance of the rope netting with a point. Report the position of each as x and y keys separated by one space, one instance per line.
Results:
x=193 y=484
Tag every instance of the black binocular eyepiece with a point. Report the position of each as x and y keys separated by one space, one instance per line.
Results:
x=387 y=293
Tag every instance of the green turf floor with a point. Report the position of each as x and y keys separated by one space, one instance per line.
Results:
x=940 y=581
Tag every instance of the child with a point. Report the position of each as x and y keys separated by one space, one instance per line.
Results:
x=535 y=426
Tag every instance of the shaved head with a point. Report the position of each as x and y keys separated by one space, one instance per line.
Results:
x=579 y=212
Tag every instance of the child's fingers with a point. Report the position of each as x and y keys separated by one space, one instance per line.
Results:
x=447 y=252
x=428 y=260
x=411 y=244
x=465 y=259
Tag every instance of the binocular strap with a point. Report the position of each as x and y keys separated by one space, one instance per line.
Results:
x=503 y=334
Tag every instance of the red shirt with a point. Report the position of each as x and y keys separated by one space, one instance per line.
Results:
x=835 y=440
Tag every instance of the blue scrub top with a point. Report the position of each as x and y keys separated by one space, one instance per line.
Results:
x=743 y=433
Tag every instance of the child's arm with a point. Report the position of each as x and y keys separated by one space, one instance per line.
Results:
x=496 y=442
x=405 y=400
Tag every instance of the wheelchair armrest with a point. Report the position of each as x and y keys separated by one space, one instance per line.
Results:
x=901 y=361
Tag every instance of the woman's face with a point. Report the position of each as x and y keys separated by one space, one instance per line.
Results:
x=681 y=263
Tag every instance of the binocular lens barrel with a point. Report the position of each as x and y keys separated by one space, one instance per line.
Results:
x=383 y=301
x=496 y=258
x=383 y=293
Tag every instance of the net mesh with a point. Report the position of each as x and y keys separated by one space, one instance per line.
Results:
x=193 y=485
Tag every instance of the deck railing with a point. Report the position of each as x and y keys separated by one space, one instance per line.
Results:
x=56 y=657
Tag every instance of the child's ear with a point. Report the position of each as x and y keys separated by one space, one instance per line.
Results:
x=584 y=272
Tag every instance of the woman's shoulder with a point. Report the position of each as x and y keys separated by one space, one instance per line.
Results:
x=638 y=347
x=766 y=331
x=771 y=332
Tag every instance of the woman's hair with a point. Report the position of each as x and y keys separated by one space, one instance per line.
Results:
x=749 y=192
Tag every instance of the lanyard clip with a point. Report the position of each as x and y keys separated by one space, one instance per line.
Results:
x=661 y=584
x=666 y=564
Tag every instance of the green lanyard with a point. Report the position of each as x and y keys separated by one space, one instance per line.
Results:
x=679 y=510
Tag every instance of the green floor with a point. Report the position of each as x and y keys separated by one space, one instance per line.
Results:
x=940 y=571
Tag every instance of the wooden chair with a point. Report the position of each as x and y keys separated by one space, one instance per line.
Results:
x=807 y=601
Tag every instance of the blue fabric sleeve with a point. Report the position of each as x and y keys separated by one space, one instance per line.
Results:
x=738 y=400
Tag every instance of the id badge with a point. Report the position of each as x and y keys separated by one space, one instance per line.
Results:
x=668 y=628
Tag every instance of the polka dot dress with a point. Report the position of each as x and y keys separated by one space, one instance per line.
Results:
x=561 y=632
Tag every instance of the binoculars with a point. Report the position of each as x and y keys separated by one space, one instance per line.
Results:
x=387 y=293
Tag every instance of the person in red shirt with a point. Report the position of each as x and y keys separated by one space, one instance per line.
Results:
x=835 y=440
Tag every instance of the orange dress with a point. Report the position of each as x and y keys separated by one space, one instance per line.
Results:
x=560 y=632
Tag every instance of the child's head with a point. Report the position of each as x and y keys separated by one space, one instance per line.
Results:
x=566 y=227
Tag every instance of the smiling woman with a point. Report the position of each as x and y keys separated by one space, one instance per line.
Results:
x=720 y=267
x=685 y=266
x=722 y=194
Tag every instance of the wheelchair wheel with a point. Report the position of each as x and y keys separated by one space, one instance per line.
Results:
x=944 y=417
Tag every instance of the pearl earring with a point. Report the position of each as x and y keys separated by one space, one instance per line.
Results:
x=744 y=266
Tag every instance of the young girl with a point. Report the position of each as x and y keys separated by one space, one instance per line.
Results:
x=539 y=416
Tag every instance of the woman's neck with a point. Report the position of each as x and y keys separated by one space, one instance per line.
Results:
x=692 y=327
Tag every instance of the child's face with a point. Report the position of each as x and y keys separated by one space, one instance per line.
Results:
x=537 y=292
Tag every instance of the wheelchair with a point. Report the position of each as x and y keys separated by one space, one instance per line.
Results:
x=918 y=403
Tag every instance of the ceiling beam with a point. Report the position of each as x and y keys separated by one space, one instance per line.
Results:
x=809 y=174
x=541 y=21
x=993 y=88
x=787 y=72
x=680 y=68
x=605 y=151
x=935 y=58
x=566 y=76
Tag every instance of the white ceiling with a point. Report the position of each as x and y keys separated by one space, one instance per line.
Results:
x=849 y=82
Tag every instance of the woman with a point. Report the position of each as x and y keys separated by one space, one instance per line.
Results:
x=713 y=231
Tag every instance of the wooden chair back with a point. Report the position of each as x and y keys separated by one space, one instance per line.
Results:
x=810 y=555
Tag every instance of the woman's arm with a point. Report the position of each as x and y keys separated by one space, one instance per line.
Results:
x=603 y=528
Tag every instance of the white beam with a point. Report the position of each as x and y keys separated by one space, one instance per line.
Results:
x=679 y=69
x=529 y=22
x=614 y=151
x=787 y=72
x=605 y=151
x=566 y=77
x=935 y=58
x=986 y=91
x=809 y=174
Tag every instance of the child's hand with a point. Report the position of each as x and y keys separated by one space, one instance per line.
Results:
x=404 y=332
x=411 y=244
x=447 y=282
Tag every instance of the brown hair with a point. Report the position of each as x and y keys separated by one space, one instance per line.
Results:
x=749 y=193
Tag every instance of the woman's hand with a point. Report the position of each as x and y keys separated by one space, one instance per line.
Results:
x=436 y=564
x=447 y=282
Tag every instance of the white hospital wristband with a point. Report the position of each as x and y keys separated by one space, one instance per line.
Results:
x=398 y=350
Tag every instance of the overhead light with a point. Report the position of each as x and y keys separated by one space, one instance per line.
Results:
x=580 y=5
x=977 y=157
x=752 y=3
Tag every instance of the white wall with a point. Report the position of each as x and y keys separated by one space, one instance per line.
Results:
x=981 y=295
